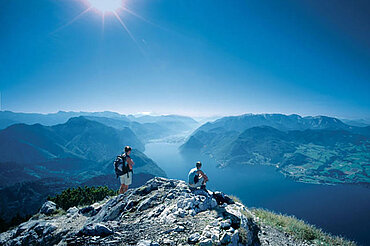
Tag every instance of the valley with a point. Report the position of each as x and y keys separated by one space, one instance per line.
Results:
x=279 y=162
x=319 y=150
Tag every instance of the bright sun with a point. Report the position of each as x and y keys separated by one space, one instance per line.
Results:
x=106 y=5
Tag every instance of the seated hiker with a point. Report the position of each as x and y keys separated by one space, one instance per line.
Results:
x=197 y=178
x=123 y=168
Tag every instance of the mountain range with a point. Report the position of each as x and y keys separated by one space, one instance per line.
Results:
x=77 y=138
x=146 y=127
x=317 y=149
x=37 y=160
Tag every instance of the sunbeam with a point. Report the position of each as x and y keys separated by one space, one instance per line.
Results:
x=128 y=31
x=141 y=18
x=73 y=20
x=110 y=7
x=136 y=15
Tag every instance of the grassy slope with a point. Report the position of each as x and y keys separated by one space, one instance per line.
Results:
x=299 y=229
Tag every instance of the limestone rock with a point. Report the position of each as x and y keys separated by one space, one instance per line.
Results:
x=72 y=210
x=96 y=229
x=163 y=211
x=48 y=208
x=225 y=238
x=194 y=238
x=144 y=243
x=206 y=242
x=226 y=224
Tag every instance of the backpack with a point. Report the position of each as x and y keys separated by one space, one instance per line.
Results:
x=121 y=159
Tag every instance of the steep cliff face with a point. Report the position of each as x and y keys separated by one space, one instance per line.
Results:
x=162 y=212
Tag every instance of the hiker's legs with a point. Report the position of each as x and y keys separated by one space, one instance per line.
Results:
x=202 y=183
x=198 y=184
x=126 y=180
x=122 y=189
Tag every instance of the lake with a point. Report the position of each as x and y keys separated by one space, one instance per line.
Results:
x=340 y=209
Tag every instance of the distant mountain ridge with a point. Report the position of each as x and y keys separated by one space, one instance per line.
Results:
x=77 y=146
x=358 y=122
x=77 y=138
x=146 y=127
x=278 y=121
x=37 y=160
x=52 y=118
x=310 y=149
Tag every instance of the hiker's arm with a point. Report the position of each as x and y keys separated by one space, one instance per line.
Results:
x=130 y=162
x=203 y=174
x=205 y=177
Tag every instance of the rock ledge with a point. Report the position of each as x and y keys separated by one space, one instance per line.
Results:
x=161 y=212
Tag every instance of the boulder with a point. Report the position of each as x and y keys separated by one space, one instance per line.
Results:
x=187 y=203
x=96 y=229
x=222 y=198
x=48 y=208
x=144 y=243
x=72 y=210
x=235 y=238
x=26 y=226
x=112 y=209
x=211 y=232
x=226 y=224
x=167 y=241
x=148 y=203
x=180 y=213
x=87 y=210
x=150 y=186
x=130 y=205
x=44 y=228
x=225 y=238
x=200 y=192
x=206 y=242
x=194 y=238
x=179 y=229
x=234 y=215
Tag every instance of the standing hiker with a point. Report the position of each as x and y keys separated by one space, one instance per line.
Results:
x=123 y=168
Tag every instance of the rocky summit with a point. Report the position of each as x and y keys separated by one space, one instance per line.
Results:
x=161 y=212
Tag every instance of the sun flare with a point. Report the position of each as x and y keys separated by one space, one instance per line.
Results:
x=113 y=8
x=106 y=5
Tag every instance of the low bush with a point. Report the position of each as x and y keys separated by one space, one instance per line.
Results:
x=236 y=199
x=81 y=196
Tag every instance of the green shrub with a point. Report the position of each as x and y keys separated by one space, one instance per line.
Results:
x=235 y=199
x=243 y=236
x=81 y=196
x=299 y=229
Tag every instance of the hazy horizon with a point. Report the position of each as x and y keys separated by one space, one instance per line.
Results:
x=137 y=114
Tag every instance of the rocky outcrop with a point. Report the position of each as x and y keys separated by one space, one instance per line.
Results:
x=162 y=212
x=48 y=208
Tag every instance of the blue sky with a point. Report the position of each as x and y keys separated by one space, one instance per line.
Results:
x=194 y=57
